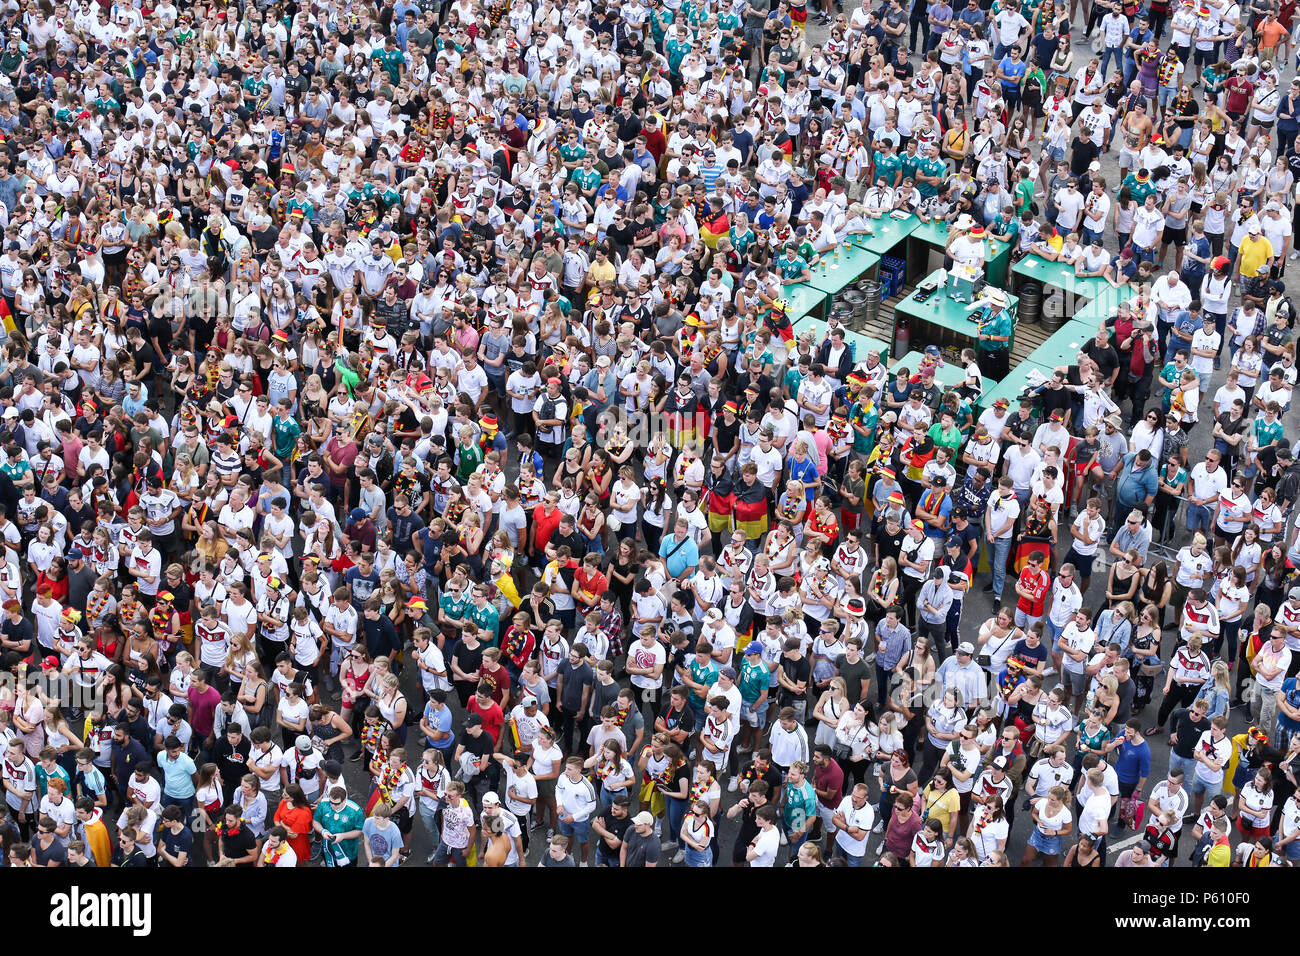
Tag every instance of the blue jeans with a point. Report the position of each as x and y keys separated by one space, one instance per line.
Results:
x=185 y=803
x=1111 y=52
x=998 y=565
x=1186 y=765
x=429 y=819
x=1198 y=518
x=848 y=858
x=676 y=814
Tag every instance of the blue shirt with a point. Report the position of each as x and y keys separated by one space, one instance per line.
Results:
x=1184 y=324
x=1134 y=761
x=1291 y=691
x=1133 y=486
x=440 y=721
x=805 y=471
x=894 y=644
x=178 y=775
x=679 y=555
x=1013 y=70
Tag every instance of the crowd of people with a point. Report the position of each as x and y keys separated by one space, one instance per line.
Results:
x=405 y=435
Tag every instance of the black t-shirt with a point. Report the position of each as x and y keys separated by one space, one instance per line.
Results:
x=771 y=776
x=725 y=435
x=176 y=843
x=1082 y=153
x=233 y=763
x=683 y=719
x=1106 y=357
x=612 y=824
x=479 y=746
x=1231 y=428
x=238 y=844
x=1189 y=732
x=1056 y=399
x=795 y=671
x=146 y=355
x=853 y=675
x=468 y=660
x=623 y=235
x=577 y=545
x=889 y=544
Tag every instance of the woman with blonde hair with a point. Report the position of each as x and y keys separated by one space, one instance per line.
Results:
x=1217 y=691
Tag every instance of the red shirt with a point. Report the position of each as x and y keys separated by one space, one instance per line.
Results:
x=1037 y=583
x=829 y=777
x=1239 y=90
x=544 y=525
x=202 y=708
x=493 y=716
x=500 y=681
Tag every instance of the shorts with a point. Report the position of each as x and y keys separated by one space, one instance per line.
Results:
x=1026 y=621
x=1292 y=851
x=754 y=717
x=545 y=789
x=1176 y=236
x=1203 y=57
x=1078 y=682
x=579 y=830
x=1082 y=562
x=1195 y=784
x=404 y=820
x=1046 y=845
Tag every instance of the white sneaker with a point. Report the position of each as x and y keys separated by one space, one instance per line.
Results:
x=785 y=840
x=667 y=845
x=1049 y=670
x=734 y=785
x=879 y=827
x=1294 y=256
x=679 y=856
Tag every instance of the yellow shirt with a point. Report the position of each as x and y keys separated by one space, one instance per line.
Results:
x=1254 y=253
x=602 y=273
x=941 y=806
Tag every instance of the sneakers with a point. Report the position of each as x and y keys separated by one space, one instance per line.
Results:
x=667 y=845
x=1049 y=670
x=679 y=856
x=428 y=860
x=734 y=785
x=879 y=827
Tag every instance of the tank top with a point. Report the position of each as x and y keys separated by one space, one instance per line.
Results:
x=389 y=710
x=1025 y=710
x=321 y=731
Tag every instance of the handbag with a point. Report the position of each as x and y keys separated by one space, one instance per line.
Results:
x=985 y=659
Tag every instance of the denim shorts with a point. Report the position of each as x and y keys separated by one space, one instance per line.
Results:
x=1196 y=785
x=754 y=716
x=1047 y=845
x=578 y=830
